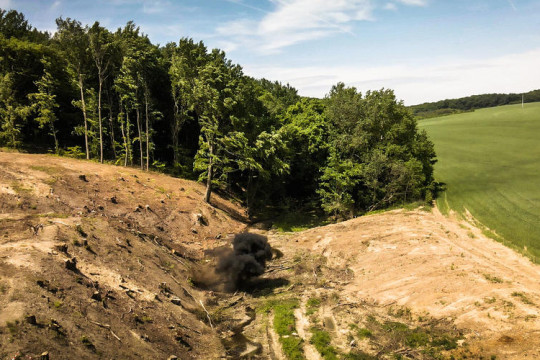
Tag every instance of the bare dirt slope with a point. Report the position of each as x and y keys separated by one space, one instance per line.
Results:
x=437 y=267
x=401 y=284
x=134 y=235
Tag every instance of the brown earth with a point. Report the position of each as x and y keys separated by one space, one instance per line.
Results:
x=135 y=236
x=435 y=267
x=424 y=285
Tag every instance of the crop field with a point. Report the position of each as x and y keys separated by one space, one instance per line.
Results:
x=490 y=162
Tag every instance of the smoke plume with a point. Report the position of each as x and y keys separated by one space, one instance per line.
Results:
x=247 y=260
x=235 y=267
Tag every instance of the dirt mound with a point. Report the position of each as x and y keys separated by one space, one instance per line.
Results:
x=432 y=266
x=95 y=261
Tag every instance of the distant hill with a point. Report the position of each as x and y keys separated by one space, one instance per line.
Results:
x=470 y=103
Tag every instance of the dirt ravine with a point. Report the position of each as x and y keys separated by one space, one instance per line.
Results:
x=96 y=262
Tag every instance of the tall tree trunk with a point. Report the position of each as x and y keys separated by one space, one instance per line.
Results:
x=111 y=122
x=123 y=132
x=140 y=137
x=128 y=137
x=147 y=134
x=125 y=143
x=210 y=175
x=83 y=103
x=13 y=132
x=251 y=190
x=56 y=144
x=176 y=126
x=99 y=119
x=175 y=129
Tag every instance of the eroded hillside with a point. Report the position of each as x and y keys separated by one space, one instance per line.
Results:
x=402 y=284
x=418 y=284
x=134 y=237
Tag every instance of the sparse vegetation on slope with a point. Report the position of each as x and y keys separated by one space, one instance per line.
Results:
x=285 y=326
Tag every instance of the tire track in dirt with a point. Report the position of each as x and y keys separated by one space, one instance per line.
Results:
x=274 y=346
x=302 y=327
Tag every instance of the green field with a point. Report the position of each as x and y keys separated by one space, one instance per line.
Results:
x=490 y=162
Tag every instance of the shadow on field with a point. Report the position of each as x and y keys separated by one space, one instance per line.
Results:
x=438 y=188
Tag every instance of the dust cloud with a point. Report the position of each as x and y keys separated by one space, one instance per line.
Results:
x=235 y=267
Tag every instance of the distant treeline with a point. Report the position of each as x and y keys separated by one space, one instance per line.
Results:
x=470 y=103
x=113 y=96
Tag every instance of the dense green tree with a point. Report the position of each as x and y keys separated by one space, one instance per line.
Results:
x=215 y=98
x=181 y=105
x=74 y=42
x=12 y=114
x=187 y=60
x=150 y=64
x=44 y=102
x=127 y=87
x=101 y=49
x=134 y=81
x=276 y=96
x=13 y=24
x=127 y=84
x=305 y=128
x=378 y=156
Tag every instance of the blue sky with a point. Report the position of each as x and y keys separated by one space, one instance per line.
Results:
x=425 y=50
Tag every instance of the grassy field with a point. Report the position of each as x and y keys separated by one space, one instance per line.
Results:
x=490 y=162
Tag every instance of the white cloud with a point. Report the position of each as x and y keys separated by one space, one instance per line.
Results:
x=295 y=21
x=148 y=6
x=6 y=4
x=390 y=6
x=307 y=15
x=56 y=4
x=511 y=2
x=155 y=6
x=418 y=83
x=414 y=2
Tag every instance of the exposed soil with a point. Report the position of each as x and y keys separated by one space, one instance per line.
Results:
x=135 y=236
x=436 y=267
x=413 y=284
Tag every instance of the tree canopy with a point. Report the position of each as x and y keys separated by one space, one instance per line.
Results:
x=113 y=96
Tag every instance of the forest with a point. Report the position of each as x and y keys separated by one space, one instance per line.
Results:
x=471 y=103
x=114 y=97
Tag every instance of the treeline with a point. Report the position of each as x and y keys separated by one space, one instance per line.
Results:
x=115 y=97
x=470 y=103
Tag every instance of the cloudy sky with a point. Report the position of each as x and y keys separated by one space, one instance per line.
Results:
x=425 y=50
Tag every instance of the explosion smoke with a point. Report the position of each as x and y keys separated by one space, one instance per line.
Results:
x=247 y=260
x=235 y=267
